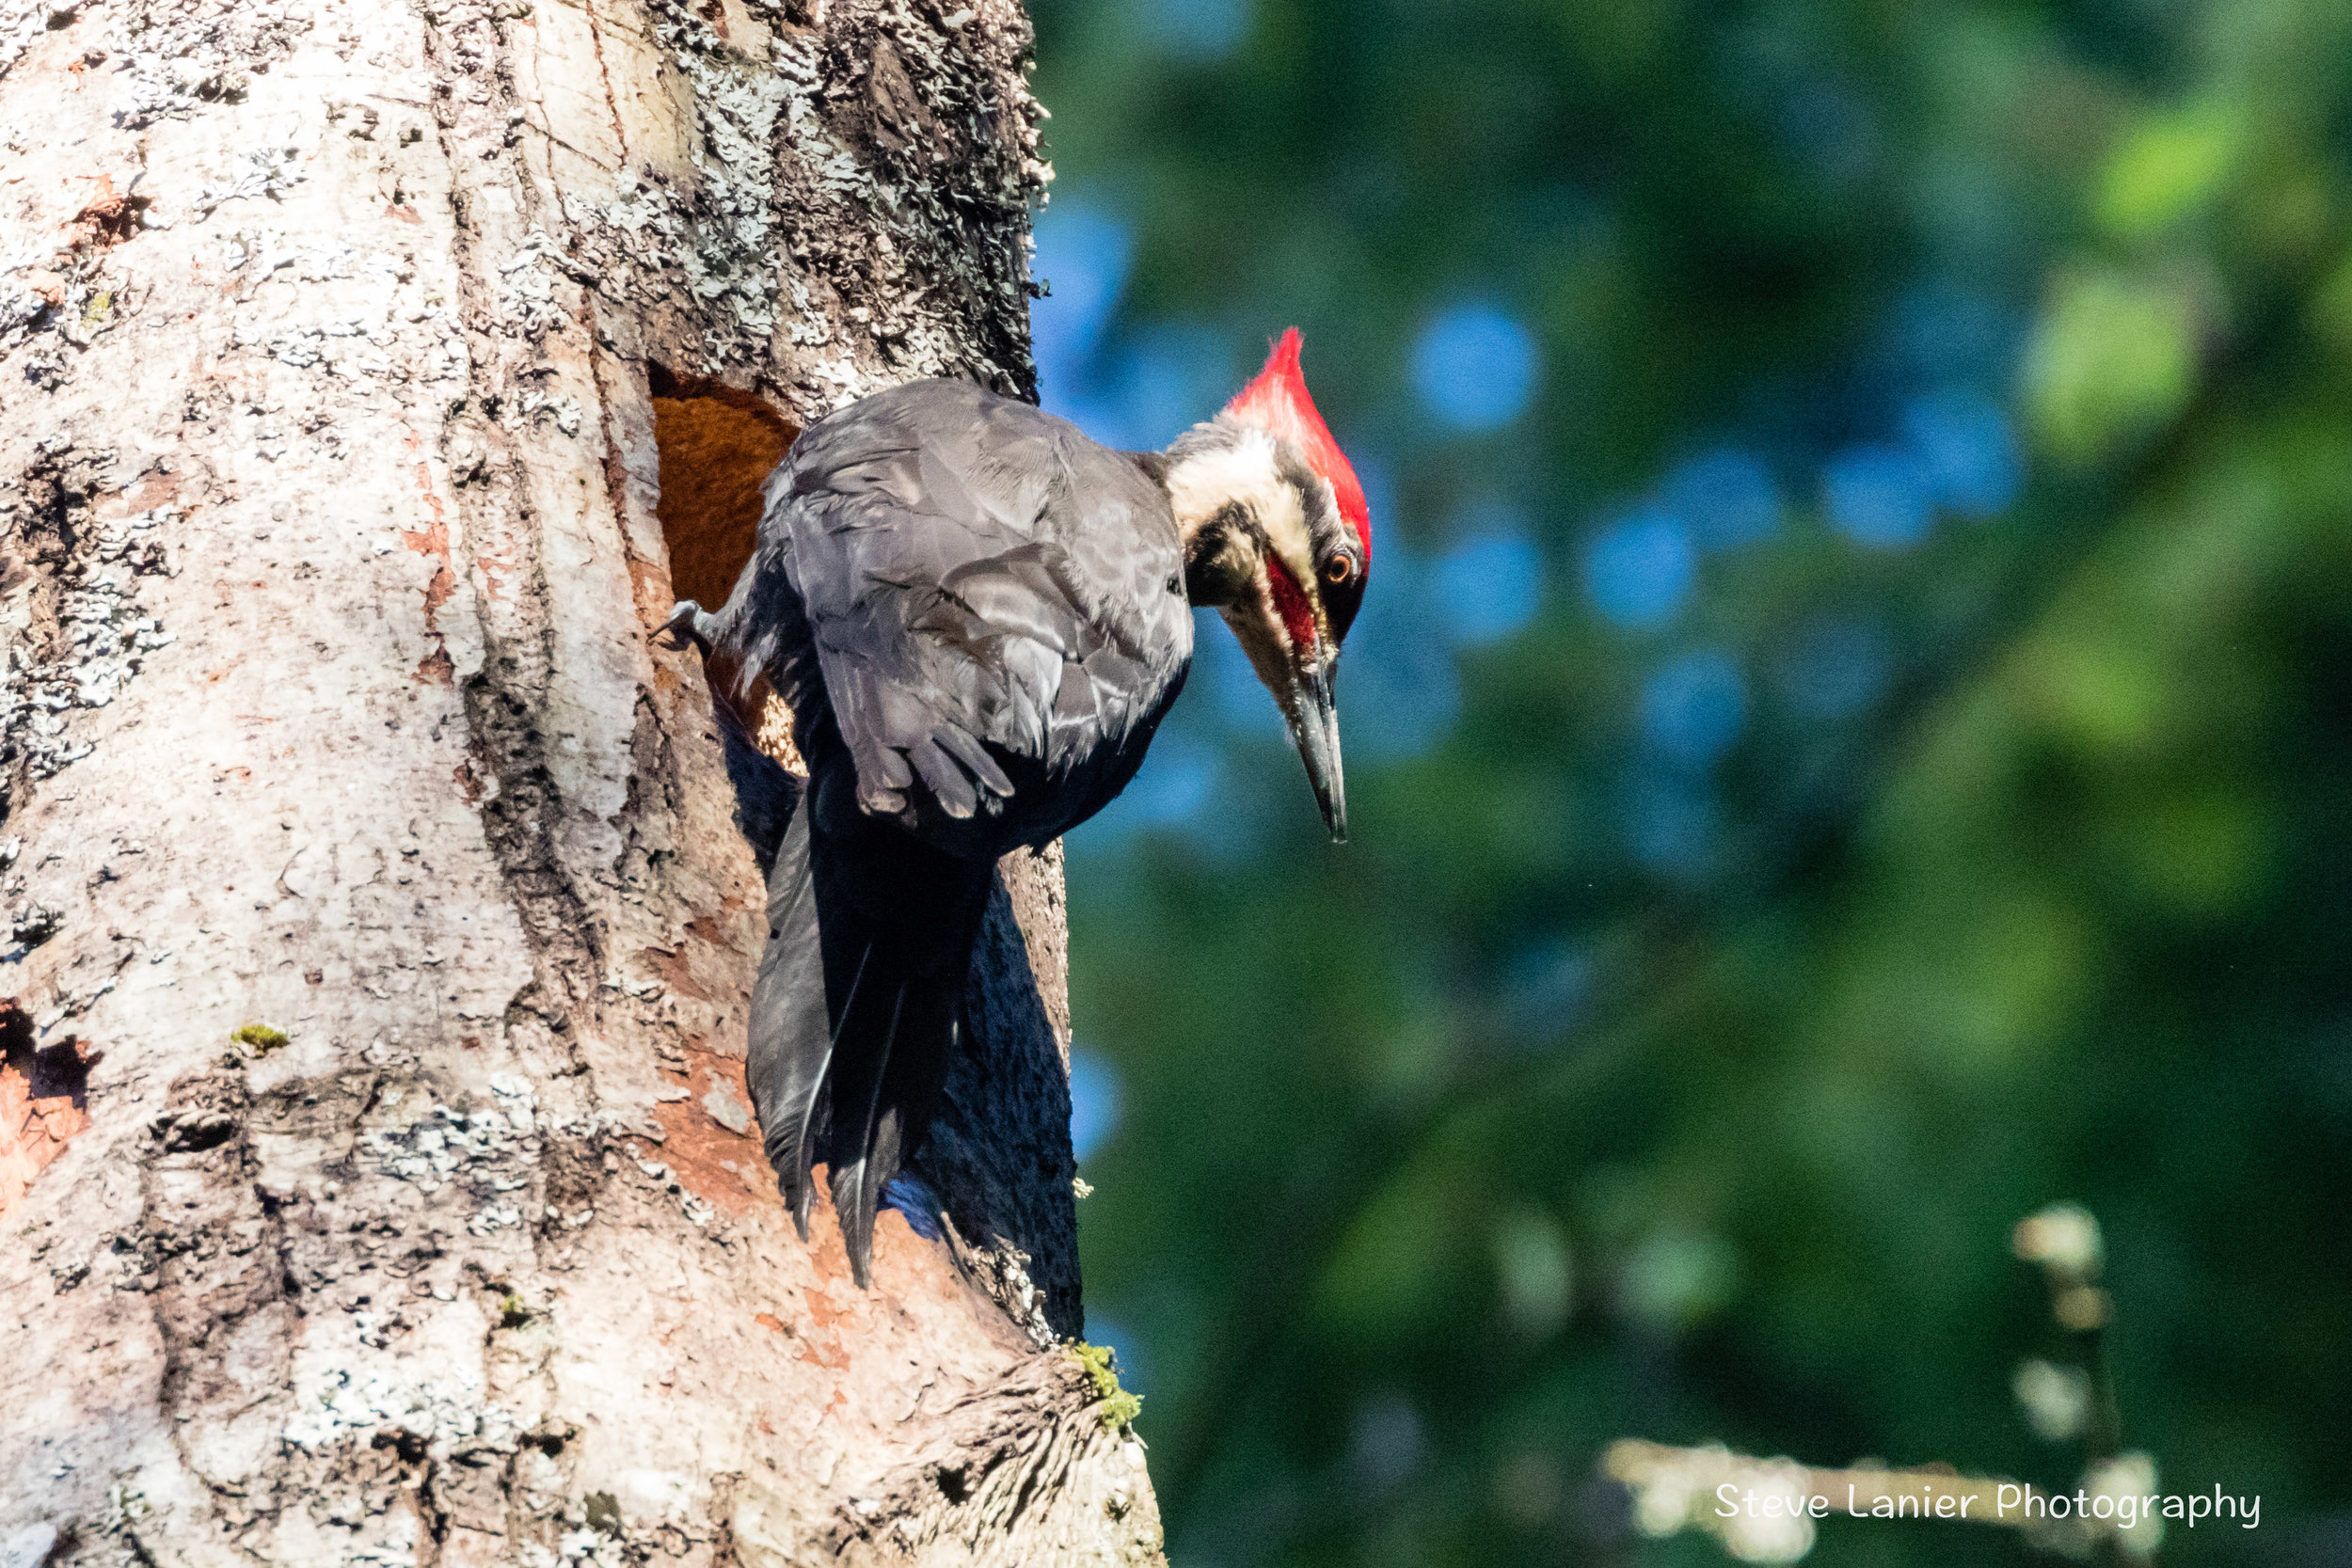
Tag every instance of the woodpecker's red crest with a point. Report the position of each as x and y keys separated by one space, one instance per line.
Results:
x=1277 y=402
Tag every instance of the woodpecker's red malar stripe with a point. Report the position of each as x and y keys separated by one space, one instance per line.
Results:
x=1290 y=601
x=1278 y=401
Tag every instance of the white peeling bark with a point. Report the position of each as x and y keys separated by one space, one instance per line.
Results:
x=332 y=559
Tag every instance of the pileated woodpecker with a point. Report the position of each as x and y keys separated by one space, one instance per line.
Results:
x=979 y=617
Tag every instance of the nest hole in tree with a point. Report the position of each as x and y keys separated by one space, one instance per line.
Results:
x=717 y=445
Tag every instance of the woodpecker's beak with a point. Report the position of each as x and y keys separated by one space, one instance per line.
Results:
x=1314 y=719
x=1300 y=681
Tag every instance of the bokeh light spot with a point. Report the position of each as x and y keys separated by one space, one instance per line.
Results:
x=1727 y=496
x=1475 y=368
x=1639 y=571
x=1968 y=451
x=1673 y=1280
x=1536 y=1271
x=1490 y=582
x=1693 y=710
x=1878 y=495
x=2113 y=357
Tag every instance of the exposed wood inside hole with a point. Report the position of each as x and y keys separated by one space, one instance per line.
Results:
x=717 y=444
x=45 y=1101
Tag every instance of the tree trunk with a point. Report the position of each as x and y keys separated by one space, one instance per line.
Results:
x=378 y=1182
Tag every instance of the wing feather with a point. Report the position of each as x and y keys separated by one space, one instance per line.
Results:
x=965 y=565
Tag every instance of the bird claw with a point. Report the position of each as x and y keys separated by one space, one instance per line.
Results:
x=688 y=624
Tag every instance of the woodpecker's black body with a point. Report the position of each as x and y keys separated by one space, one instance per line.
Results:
x=977 y=617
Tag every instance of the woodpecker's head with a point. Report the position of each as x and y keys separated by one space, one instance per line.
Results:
x=1278 y=538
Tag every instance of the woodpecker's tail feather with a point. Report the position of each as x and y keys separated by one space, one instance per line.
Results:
x=785 y=1075
x=857 y=1012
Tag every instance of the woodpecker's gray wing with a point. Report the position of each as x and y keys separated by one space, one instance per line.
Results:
x=994 y=602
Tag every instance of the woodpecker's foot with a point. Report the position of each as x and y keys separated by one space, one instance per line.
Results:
x=690 y=623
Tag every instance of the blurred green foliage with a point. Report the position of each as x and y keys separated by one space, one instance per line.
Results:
x=1717 y=975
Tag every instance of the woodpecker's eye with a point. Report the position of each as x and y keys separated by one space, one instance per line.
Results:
x=1339 y=572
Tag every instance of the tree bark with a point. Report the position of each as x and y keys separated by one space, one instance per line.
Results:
x=376 y=1178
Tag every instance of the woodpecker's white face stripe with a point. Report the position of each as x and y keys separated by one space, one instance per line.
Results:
x=1245 y=471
